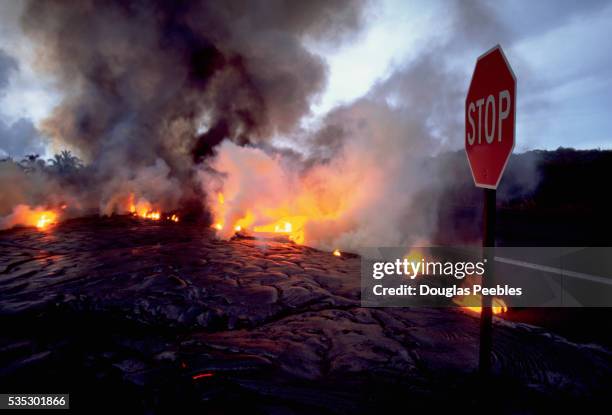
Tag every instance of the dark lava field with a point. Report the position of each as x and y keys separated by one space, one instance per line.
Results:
x=124 y=313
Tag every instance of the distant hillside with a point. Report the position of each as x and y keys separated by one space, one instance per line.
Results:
x=563 y=196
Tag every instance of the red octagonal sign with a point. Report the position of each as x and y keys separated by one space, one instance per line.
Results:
x=490 y=112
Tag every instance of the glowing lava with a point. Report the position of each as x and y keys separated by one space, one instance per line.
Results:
x=45 y=219
x=202 y=375
x=498 y=305
x=414 y=255
x=24 y=215
x=259 y=195
x=292 y=227
x=143 y=209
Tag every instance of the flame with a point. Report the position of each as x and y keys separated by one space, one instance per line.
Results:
x=258 y=195
x=45 y=219
x=293 y=227
x=414 y=255
x=244 y=222
x=153 y=215
x=337 y=252
x=40 y=217
x=498 y=305
x=143 y=209
x=283 y=227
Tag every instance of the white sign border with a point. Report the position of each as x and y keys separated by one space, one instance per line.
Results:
x=481 y=185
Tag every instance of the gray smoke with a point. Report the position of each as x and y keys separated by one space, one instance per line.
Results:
x=152 y=87
x=7 y=65
x=395 y=133
x=156 y=91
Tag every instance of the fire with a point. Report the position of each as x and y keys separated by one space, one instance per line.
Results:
x=40 y=217
x=151 y=215
x=498 y=305
x=292 y=227
x=283 y=227
x=45 y=219
x=337 y=252
x=414 y=255
x=143 y=209
x=259 y=196
x=244 y=222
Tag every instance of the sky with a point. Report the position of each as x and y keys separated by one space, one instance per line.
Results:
x=557 y=48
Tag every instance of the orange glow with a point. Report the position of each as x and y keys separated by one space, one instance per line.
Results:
x=283 y=227
x=174 y=218
x=244 y=222
x=45 y=219
x=292 y=226
x=202 y=375
x=415 y=255
x=498 y=305
x=151 y=215
x=337 y=252
x=262 y=197
x=142 y=208
x=40 y=217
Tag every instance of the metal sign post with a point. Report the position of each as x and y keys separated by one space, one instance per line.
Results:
x=486 y=313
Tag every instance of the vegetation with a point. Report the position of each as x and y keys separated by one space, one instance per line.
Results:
x=63 y=164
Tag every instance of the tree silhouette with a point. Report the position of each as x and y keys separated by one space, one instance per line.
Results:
x=65 y=163
x=32 y=162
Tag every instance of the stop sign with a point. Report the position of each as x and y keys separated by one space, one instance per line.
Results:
x=490 y=110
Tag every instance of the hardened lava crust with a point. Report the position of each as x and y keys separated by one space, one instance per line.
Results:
x=123 y=312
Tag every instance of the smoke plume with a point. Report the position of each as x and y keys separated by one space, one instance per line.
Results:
x=152 y=87
x=366 y=177
x=176 y=104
